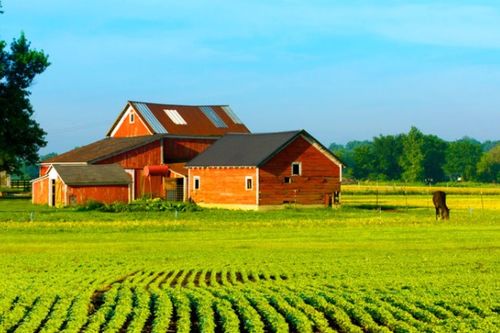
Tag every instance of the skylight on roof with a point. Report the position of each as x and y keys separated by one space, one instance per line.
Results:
x=230 y=113
x=175 y=117
x=213 y=116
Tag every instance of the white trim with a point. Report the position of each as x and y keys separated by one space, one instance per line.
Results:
x=184 y=189
x=251 y=183
x=300 y=168
x=188 y=183
x=131 y=188
x=63 y=163
x=196 y=178
x=125 y=116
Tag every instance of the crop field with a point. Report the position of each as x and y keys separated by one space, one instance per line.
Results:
x=378 y=264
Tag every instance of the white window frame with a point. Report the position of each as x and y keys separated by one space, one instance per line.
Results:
x=247 y=178
x=131 y=118
x=300 y=168
x=196 y=179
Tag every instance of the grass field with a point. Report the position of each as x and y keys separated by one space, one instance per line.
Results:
x=377 y=264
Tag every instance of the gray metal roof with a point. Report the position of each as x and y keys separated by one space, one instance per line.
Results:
x=150 y=118
x=84 y=175
x=244 y=149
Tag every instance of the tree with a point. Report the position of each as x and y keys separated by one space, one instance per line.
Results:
x=20 y=136
x=386 y=153
x=488 y=167
x=363 y=158
x=462 y=157
x=412 y=158
x=434 y=149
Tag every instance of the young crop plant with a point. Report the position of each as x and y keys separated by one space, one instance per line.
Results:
x=162 y=310
x=58 y=314
x=340 y=319
x=22 y=308
x=77 y=314
x=249 y=317
x=183 y=310
x=34 y=318
x=202 y=305
x=273 y=319
x=140 y=308
x=229 y=321
x=295 y=317
x=99 y=317
x=121 y=310
x=318 y=319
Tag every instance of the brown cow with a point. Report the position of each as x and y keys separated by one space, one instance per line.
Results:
x=439 y=200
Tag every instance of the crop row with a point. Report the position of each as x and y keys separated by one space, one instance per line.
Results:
x=127 y=307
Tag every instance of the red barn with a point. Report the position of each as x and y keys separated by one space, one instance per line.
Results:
x=160 y=149
x=250 y=171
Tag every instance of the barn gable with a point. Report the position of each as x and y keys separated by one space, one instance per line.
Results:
x=139 y=118
x=237 y=150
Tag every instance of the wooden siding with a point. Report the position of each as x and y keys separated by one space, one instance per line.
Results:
x=127 y=129
x=223 y=186
x=319 y=176
x=40 y=191
x=182 y=150
x=42 y=171
x=106 y=194
x=138 y=158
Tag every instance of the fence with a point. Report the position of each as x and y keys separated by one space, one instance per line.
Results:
x=23 y=184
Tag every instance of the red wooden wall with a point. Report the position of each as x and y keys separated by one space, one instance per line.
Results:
x=40 y=191
x=106 y=194
x=126 y=128
x=320 y=176
x=183 y=150
x=223 y=186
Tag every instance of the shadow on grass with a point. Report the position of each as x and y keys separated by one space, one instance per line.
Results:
x=385 y=208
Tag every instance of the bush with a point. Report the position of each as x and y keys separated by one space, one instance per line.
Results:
x=141 y=205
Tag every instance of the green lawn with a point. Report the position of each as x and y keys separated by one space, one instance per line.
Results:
x=345 y=269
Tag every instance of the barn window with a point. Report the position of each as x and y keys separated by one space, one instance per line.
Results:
x=131 y=118
x=196 y=184
x=287 y=180
x=296 y=169
x=248 y=183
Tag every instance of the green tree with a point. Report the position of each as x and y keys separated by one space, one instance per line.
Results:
x=387 y=152
x=20 y=136
x=434 y=149
x=488 y=167
x=412 y=157
x=364 y=161
x=462 y=157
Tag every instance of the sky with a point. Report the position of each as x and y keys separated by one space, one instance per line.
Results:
x=342 y=70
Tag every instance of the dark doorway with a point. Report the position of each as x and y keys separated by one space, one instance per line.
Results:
x=53 y=192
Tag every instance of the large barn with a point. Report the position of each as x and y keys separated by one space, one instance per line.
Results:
x=191 y=153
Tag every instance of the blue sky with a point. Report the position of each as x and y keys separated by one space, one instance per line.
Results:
x=342 y=70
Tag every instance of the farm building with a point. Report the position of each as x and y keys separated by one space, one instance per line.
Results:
x=164 y=150
x=266 y=169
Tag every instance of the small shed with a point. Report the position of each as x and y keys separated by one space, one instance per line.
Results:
x=64 y=185
x=253 y=171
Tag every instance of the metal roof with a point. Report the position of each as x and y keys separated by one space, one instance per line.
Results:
x=85 y=175
x=215 y=122
x=146 y=113
x=238 y=150
x=243 y=149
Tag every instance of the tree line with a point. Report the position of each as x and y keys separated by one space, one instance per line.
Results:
x=419 y=157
